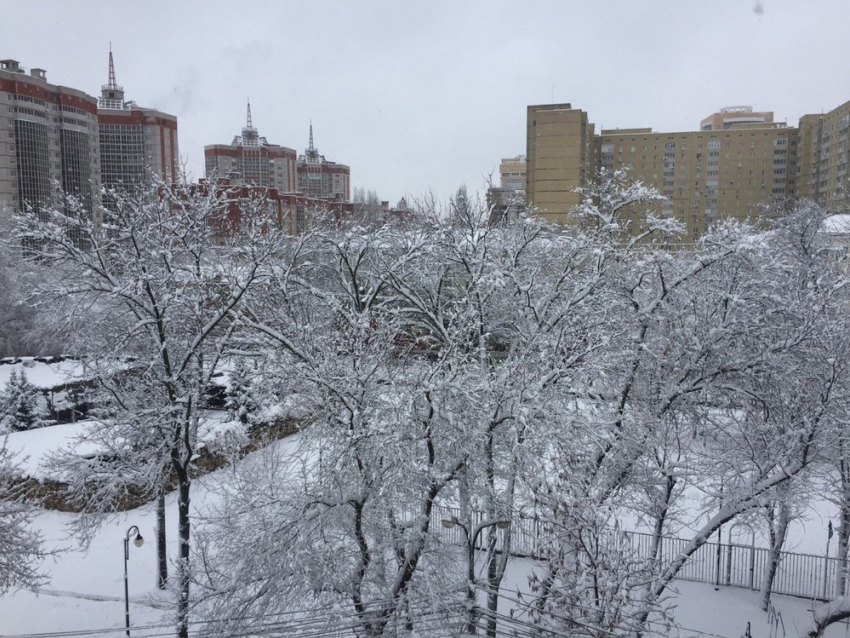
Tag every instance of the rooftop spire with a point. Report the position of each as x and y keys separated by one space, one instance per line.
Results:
x=311 y=148
x=112 y=83
x=249 y=125
x=111 y=95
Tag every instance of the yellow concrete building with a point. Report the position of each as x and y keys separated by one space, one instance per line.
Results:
x=735 y=116
x=738 y=166
x=824 y=158
x=512 y=174
x=706 y=175
x=558 y=158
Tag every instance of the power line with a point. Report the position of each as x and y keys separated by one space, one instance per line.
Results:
x=330 y=620
x=325 y=620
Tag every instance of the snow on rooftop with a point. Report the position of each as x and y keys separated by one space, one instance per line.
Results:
x=41 y=374
x=837 y=224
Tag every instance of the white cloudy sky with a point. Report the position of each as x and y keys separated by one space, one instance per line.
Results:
x=419 y=96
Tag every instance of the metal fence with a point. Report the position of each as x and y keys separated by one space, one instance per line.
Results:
x=734 y=565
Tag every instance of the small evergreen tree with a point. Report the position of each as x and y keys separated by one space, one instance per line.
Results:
x=19 y=404
x=241 y=403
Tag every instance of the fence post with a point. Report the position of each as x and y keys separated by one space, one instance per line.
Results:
x=729 y=560
x=753 y=561
x=717 y=565
x=825 y=576
x=536 y=537
x=826 y=563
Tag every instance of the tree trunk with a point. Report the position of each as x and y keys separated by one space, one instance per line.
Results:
x=656 y=549
x=843 y=533
x=778 y=531
x=495 y=572
x=161 y=551
x=660 y=515
x=184 y=531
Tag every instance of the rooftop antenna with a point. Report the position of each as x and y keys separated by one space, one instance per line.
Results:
x=249 y=124
x=311 y=149
x=113 y=85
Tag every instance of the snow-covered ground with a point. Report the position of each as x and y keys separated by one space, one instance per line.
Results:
x=700 y=609
x=33 y=448
x=806 y=535
x=85 y=592
x=86 y=588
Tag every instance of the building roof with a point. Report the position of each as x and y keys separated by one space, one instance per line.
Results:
x=837 y=224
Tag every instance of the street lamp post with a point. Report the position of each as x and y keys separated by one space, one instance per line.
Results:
x=138 y=542
x=471 y=540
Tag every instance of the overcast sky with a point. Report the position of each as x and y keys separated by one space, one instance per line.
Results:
x=419 y=96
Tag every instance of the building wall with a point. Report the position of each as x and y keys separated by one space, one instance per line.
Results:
x=558 y=158
x=732 y=169
x=48 y=134
x=324 y=180
x=825 y=156
x=266 y=165
x=706 y=175
x=735 y=116
x=135 y=143
x=512 y=174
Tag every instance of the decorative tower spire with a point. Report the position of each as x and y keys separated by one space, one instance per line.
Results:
x=250 y=136
x=311 y=154
x=111 y=95
x=113 y=85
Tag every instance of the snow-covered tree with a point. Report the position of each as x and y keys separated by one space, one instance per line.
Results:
x=368 y=210
x=19 y=404
x=381 y=446
x=161 y=283
x=25 y=328
x=708 y=339
x=479 y=335
x=240 y=400
x=584 y=374
x=21 y=547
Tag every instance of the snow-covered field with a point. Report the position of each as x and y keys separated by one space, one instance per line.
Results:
x=85 y=592
x=699 y=609
x=33 y=448
x=86 y=589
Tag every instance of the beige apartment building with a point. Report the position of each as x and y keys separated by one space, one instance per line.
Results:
x=512 y=174
x=824 y=156
x=558 y=158
x=706 y=175
x=738 y=165
x=730 y=116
